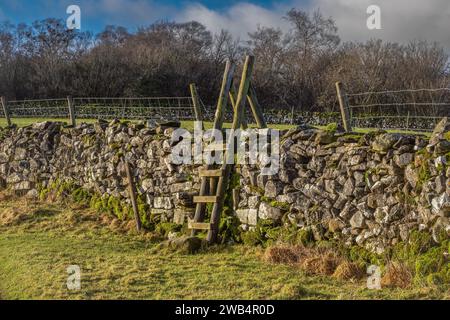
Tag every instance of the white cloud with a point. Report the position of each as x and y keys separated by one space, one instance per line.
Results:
x=239 y=19
x=402 y=20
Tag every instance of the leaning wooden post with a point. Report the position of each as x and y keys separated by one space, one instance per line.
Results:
x=224 y=93
x=256 y=108
x=132 y=194
x=6 y=111
x=237 y=120
x=244 y=124
x=73 y=121
x=344 y=106
x=196 y=102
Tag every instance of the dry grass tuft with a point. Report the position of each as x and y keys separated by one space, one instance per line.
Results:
x=5 y=196
x=397 y=275
x=282 y=255
x=311 y=260
x=349 y=271
x=321 y=263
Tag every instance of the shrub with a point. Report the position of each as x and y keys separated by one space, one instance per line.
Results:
x=418 y=243
x=81 y=196
x=229 y=228
x=165 y=228
x=331 y=128
x=432 y=262
x=261 y=233
x=363 y=256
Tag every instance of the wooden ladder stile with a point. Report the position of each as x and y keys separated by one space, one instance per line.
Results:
x=207 y=184
x=215 y=178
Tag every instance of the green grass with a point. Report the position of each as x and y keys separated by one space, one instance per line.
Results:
x=39 y=241
x=189 y=125
x=368 y=130
x=22 y=122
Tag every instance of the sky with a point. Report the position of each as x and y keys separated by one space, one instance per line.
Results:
x=401 y=20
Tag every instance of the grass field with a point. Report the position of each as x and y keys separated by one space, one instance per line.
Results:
x=189 y=125
x=38 y=241
x=22 y=122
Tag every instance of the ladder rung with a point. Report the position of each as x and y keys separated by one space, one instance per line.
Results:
x=211 y=173
x=205 y=199
x=198 y=225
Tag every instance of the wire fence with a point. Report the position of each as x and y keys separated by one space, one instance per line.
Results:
x=140 y=108
x=48 y=108
x=180 y=108
x=409 y=109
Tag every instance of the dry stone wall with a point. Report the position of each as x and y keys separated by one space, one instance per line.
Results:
x=35 y=157
x=372 y=190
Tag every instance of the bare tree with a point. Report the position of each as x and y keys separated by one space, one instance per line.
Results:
x=296 y=69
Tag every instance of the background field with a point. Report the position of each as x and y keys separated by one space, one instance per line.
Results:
x=189 y=125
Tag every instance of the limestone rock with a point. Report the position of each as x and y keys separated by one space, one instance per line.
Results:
x=357 y=221
x=384 y=142
x=404 y=159
x=273 y=189
x=186 y=245
x=438 y=134
x=163 y=203
x=268 y=212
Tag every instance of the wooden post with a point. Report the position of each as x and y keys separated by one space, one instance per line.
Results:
x=244 y=124
x=407 y=120
x=73 y=122
x=345 y=109
x=256 y=108
x=196 y=102
x=224 y=180
x=292 y=115
x=6 y=111
x=224 y=93
x=132 y=194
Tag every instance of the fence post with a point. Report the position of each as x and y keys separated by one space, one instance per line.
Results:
x=407 y=120
x=292 y=115
x=6 y=111
x=196 y=102
x=343 y=103
x=132 y=192
x=71 y=111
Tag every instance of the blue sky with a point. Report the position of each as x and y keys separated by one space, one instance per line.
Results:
x=129 y=13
